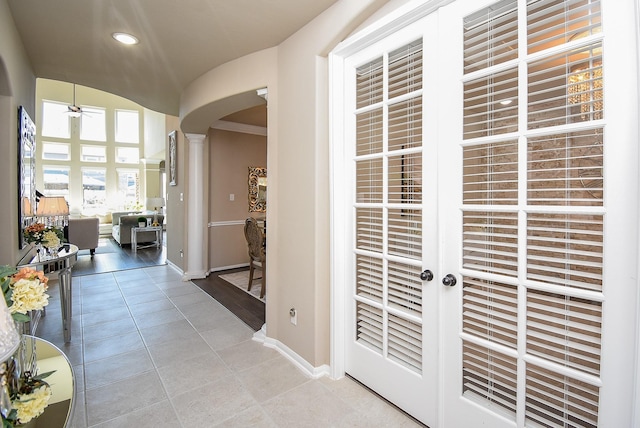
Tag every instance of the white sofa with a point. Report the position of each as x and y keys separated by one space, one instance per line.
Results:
x=124 y=221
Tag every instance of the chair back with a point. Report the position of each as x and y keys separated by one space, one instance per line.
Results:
x=255 y=239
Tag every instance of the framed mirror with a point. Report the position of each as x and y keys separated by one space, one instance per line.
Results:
x=257 y=189
x=26 y=173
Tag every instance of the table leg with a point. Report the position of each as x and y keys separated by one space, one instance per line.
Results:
x=64 y=278
x=134 y=240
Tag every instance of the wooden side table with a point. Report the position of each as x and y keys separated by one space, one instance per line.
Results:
x=136 y=230
x=60 y=265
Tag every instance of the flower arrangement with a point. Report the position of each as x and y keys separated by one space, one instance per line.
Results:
x=47 y=236
x=24 y=291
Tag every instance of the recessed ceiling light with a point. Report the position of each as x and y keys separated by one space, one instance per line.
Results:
x=125 y=38
x=506 y=102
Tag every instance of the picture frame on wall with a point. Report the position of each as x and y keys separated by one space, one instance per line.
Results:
x=26 y=173
x=172 y=159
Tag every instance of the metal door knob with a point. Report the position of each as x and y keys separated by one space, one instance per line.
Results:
x=449 y=280
x=426 y=275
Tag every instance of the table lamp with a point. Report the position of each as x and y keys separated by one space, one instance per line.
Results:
x=156 y=204
x=55 y=210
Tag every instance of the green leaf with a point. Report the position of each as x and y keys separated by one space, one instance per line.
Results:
x=6 y=270
x=44 y=375
x=21 y=317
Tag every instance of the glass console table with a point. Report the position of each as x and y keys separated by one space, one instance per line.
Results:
x=62 y=382
x=60 y=265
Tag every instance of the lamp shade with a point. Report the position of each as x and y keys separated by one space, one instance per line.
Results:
x=153 y=203
x=52 y=206
x=9 y=337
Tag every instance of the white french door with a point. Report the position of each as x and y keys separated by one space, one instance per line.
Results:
x=481 y=143
x=392 y=311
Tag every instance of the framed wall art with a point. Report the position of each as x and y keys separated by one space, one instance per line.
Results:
x=26 y=173
x=257 y=189
x=172 y=158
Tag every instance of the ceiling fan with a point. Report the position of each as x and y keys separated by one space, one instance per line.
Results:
x=74 y=110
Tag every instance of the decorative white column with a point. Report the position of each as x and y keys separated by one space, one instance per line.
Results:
x=196 y=226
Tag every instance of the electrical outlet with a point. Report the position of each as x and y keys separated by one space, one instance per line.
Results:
x=232 y=197
x=293 y=316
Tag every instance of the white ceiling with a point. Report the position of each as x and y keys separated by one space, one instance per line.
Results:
x=70 y=40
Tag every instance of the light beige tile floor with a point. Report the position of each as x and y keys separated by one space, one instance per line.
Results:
x=149 y=350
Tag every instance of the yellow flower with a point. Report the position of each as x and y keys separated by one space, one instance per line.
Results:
x=50 y=239
x=32 y=405
x=28 y=295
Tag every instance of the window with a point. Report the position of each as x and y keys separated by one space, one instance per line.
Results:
x=128 y=187
x=94 y=194
x=56 y=180
x=127 y=126
x=92 y=125
x=93 y=154
x=55 y=151
x=127 y=155
x=55 y=121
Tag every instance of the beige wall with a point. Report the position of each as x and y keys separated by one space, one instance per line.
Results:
x=295 y=74
x=155 y=134
x=17 y=88
x=230 y=156
x=175 y=208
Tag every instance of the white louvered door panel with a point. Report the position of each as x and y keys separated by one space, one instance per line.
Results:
x=393 y=345
x=531 y=302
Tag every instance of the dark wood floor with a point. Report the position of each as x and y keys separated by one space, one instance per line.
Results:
x=110 y=257
x=246 y=307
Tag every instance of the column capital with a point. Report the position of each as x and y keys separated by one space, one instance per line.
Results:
x=195 y=138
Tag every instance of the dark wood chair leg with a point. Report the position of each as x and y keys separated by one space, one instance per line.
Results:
x=251 y=268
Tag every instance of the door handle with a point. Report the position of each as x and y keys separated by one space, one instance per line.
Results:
x=426 y=275
x=449 y=280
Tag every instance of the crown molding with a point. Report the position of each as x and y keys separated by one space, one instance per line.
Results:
x=243 y=128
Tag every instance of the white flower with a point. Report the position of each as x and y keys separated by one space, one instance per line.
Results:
x=28 y=295
x=50 y=239
x=32 y=405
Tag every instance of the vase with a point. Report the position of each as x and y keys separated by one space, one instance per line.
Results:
x=53 y=252
x=40 y=252
x=24 y=359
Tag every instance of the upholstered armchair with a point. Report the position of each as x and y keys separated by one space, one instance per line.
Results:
x=84 y=232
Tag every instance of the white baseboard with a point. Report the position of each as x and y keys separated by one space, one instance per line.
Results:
x=188 y=276
x=175 y=267
x=288 y=353
x=221 y=268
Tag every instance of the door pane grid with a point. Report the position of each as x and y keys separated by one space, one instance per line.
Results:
x=564 y=250
x=388 y=205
